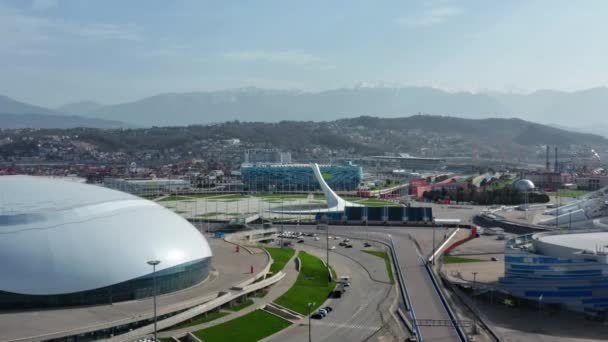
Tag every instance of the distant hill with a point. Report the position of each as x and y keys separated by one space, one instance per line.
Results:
x=11 y=106
x=12 y=121
x=513 y=140
x=79 y=108
x=16 y=114
x=254 y=104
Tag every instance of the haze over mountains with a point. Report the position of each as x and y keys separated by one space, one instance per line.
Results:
x=581 y=110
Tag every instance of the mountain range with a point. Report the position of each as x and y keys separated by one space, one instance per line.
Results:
x=15 y=114
x=583 y=110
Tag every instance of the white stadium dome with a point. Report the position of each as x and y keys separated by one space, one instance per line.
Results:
x=60 y=239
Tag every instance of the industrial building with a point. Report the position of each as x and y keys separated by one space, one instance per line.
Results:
x=299 y=177
x=569 y=270
x=401 y=161
x=70 y=244
x=148 y=186
x=266 y=156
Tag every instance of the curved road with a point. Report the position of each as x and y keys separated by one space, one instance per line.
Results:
x=425 y=300
x=358 y=314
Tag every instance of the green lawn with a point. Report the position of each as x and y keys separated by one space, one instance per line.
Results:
x=200 y=319
x=210 y=214
x=173 y=198
x=311 y=286
x=280 y=257
x=241 y=306
x=248 y=328
x=165 y=339
x=447 y=259
x=387 y=262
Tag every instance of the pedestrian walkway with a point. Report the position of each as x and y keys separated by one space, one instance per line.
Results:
x=274 y=292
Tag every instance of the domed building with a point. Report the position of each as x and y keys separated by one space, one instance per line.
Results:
x=67 y=243
x=524 y=185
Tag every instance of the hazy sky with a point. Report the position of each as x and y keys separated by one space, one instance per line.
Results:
x=57 y=51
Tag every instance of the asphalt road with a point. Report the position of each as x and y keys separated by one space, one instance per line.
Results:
x=358 y=314
x=425 y=300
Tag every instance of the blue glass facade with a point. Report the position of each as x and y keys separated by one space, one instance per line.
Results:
x=299 y=177
x=579 y=282
x=167 y=281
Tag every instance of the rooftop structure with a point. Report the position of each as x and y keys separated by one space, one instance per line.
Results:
x=580 y=213
x=68 y=243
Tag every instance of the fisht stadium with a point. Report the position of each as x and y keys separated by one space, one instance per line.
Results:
x=67 y=243
x=570 y=270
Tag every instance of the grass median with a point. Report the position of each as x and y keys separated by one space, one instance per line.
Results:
x=458 y=260
x=311 y=286
x=280 y=257
x=387 y=262
x=248 y=328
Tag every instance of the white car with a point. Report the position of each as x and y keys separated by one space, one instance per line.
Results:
x=332 y=247
x=336 y=238
x=317 y=238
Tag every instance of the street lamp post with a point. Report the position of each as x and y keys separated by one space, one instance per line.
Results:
x=153 y=263
x=309 y=305
x=474 y=302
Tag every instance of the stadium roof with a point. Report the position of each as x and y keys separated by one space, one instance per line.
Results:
x=581 y=241
x=61 y=237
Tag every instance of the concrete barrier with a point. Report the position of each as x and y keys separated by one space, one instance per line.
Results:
x=282 y=311
x=200 y=309
x=190 y=338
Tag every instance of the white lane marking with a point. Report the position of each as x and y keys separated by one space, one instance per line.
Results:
x=348 y=326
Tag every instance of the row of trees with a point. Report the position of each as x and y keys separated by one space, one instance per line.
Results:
x=504 y=196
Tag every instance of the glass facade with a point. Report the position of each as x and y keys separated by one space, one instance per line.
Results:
x=295 y=178
x=579 y=282
x=167 y=280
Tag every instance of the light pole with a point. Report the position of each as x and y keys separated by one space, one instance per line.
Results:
x=153 y=263
x=474 y=302
x=309 y=305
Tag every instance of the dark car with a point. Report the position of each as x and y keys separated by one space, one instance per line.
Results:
x=349 y=246
x=316 y=315
x=367 y=244
x=300 y=241
x=342 y=244
x=328 y=309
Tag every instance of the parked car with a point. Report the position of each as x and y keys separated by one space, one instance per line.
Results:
x=316 y=315
x=347 y=240
x=328 y=309
x=301 y=241
x=317 y=238
x=367 y=244
x=332 y=247
x=348 y=246
x=342 y=244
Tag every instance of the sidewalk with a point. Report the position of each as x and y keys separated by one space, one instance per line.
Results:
x=274 y=292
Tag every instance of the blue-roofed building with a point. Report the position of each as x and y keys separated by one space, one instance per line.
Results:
x=299 y=177
x=561 y=269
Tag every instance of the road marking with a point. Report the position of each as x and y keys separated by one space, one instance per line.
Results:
x=348 y=326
